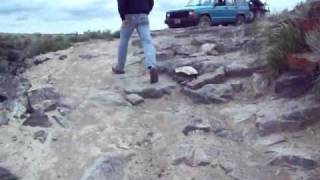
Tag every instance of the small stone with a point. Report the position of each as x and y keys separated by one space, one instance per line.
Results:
x=209 y=49
x=200 y=158
x=40 y=136
x=152 y=92
x=109 y=166
x=237 y=86
x=197 y=125
x=38 y=119
x=41 y=59
x=260 y=84
x=134 y=99
x=183 y=154
x=4 y=120
x=63 y=57
x=60 y=120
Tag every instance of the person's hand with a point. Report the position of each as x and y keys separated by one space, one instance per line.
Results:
x=125 y=23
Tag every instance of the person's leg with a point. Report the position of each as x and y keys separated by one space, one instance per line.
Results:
x=125 y=34
x=146 y=40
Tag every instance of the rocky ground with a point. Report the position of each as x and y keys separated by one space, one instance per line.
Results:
x=68 y=117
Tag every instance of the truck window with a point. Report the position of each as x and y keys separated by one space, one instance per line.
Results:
x=194 y=3
x=220 y=3
x=206 y=2
x=230 y=2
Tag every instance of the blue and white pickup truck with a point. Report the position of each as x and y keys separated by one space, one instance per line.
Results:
x=211 y=12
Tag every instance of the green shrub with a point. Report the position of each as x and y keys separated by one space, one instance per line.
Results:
x=282 y=40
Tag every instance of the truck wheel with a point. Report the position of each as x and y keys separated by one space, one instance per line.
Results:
x=240 y=20
x=204 y=21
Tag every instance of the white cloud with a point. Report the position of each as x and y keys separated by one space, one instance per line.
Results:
x=54 y=16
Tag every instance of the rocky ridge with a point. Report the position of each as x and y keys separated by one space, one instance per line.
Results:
x=72 y=119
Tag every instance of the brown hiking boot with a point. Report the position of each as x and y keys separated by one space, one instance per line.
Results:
x=117 y=71
x=154 y=76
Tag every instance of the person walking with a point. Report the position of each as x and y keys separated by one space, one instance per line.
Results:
x=134 y=16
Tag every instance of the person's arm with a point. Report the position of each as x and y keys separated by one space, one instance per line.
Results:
x=122 y=6
x=151 y=4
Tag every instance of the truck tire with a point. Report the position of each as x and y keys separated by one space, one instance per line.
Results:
x=240 y=20
x=205 y=21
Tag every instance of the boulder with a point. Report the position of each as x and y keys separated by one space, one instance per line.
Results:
x=110 y=166
x=134 y=99
x=7 y=175
x=217 y=77
x=38 y=119
x=210 y=94
x=44 y=99
x=293 y=84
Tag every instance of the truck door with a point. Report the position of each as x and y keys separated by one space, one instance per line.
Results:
x=231 y=11
x=219 y=11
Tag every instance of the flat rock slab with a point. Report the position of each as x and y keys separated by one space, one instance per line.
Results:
x=216 y=77
x=210 y=94
x=107 y=98
x=110 y=166
x=295 y=120
x=7 y=175
x=240 y=70
x=294 y=159
x=151 y=91
x=134 y=99
x=293 y=84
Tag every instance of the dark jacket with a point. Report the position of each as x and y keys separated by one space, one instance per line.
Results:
x=134 y=7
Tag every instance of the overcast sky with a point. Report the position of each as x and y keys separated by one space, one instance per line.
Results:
x=64 y=16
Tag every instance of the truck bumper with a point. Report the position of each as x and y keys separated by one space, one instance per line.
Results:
x=181 y=22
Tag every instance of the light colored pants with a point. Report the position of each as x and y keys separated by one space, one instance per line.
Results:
x=140 y=22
